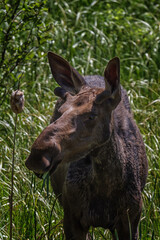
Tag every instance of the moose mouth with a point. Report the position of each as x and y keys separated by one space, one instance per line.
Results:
x=48 y=171
x=39 y=175
x=43 y=162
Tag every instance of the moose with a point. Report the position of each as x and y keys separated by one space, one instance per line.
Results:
x=94 y=153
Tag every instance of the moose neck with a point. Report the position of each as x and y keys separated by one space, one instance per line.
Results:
x=107 y=159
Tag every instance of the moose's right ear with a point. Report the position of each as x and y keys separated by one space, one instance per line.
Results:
x=64 y=74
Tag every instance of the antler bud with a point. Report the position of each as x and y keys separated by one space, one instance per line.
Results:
x=17 y=101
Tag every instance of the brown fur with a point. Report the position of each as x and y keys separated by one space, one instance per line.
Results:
x=94 y=153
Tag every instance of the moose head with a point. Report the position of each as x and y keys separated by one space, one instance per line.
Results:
x=85 y=116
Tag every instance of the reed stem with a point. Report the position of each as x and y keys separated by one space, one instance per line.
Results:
x=12 y=180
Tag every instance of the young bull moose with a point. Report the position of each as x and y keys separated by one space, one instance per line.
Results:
x=94 y=153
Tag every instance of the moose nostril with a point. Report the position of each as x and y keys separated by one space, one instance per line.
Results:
x=46 y=160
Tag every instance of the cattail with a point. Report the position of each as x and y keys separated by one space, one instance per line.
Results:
x=17 y=106
x=17 y=101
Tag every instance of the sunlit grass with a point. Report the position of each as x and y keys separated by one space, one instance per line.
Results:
x=87 y=34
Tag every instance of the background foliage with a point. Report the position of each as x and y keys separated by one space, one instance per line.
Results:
x=87 y=33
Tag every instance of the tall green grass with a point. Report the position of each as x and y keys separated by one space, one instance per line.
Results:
x=87 y=34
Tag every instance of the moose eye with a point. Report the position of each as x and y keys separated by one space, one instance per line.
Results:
x=92 y=116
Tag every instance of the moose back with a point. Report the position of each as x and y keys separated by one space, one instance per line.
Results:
x=94 y=153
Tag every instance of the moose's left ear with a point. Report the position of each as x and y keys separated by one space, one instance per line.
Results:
x=112 y=81
x=112 y=74
x=112 y=93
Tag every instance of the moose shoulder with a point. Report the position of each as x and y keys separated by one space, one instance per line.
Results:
x=94 y=153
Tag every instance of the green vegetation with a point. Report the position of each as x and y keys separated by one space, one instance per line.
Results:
x=87 y=33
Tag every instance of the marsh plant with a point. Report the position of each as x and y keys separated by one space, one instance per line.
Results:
x=87 y=34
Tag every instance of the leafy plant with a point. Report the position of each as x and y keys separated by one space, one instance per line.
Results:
x=87 y=33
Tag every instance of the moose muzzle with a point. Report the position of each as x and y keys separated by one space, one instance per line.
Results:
x=41 y=161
